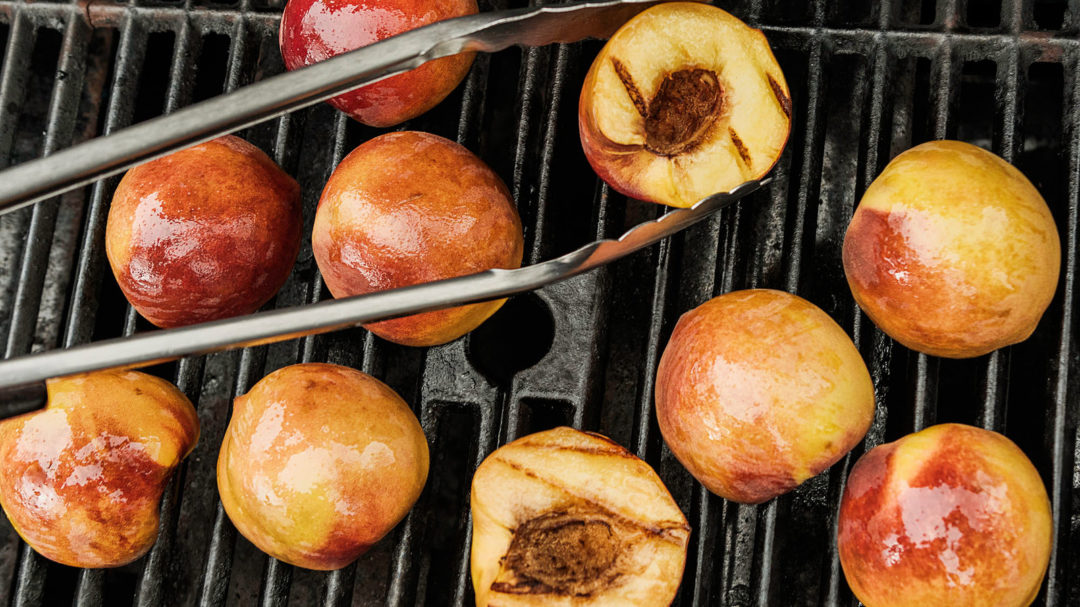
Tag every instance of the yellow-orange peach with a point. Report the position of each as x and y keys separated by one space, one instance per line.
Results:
x=81 y=480
x=204 y=233
x=410 y=207
x=952 y=251
x=319 y=462
x=758 y=391
x=682 y=102
x=568 y=518
x=952 y=515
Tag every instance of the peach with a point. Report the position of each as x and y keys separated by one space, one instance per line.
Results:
x=565 y=517
x=81 y=480
x=758 y=391
x=205 y=233
x=319 y=462
x=406 y=208
x=683 y=101
x=315 y=30
x=952 y=251
x=951 y=515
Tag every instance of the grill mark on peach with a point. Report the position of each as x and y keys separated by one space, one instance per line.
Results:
x=741 y=147
x=599 y=451
x=631 y=89
x=665 y=533
x=781 y=96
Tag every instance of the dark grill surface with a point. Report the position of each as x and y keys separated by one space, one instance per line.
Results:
x=868 y=81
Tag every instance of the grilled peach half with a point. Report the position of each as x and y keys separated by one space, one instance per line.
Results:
x=319 y=462
x=951 y=515
x=682 y=102
x=205 y=233
x=412 y=207
x=564 y=517
x=952 y=251
x=759 y=390
x=81 y=480
x=316 y=30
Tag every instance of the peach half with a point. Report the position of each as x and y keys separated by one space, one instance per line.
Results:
x=682 y=102
x=952 y=252
x=411 y=207
x=205 y=233
x=319 y=462
x=316 y=30
x=759 y=390
x=951 y=515
x=570 y=518
x=82 y=479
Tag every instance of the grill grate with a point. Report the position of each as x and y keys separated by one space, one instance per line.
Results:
x=868 y=80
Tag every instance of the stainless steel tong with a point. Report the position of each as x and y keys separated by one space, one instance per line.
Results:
x=22 y=379
x=79 y=165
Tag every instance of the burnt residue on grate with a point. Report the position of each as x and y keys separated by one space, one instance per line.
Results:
x=868 y=80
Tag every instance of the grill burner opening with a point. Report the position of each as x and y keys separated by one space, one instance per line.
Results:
x=868 y=80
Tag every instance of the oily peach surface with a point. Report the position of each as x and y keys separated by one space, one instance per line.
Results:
x=410 y=207
x=951 y=515
x=319 y=462
x=81 y=480
x=759 y=390
x=205 y=233
x=952 y=251
x=635 y=555
x=314 y=30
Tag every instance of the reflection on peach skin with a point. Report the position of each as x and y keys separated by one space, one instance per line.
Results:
x=319 y=462
x=411 y=207
x=951 y=515
x=314 y=30
x=205 y=233
x=81 y=480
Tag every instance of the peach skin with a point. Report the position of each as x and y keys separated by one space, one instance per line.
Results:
x=81 y=480
x=315 y=30
x=570 y=518
x=951 y=515
x=205 y=233
x=318 y=463
x=952 y=252
x=682 y=102
x=758 y=391
x=410 y=207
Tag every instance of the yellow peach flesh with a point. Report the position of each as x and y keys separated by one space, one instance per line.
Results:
x=741 y=142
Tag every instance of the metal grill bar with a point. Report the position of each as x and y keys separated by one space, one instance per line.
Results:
x=1062 y=421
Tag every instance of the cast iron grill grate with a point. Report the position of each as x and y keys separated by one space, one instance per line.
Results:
x=868 y=80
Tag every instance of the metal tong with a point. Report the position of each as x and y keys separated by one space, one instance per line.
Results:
x=22 y=379
x=87 y=162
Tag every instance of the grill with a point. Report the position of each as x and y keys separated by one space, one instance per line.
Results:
x=868 y=80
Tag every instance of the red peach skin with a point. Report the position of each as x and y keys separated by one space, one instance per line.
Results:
x=410 y=207
x=81 y=480
x=953 y=515
x=205 y=233
x=315 y=30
